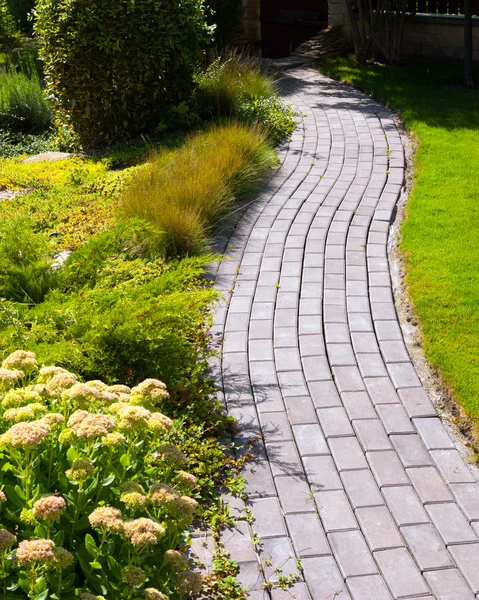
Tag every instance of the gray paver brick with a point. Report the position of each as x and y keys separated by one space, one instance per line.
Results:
x=335 y=422
x=335 y=511
x=294 y=494
x=348 y=379
x=451 y=523
x=347 y=453
x=429 y=485
x=321 y=473
x=324 y=394
x=405 y=505
x=284 y=458
x=452 y=466
x=387 y=468
x=417 y=402
x=411 y=450
x=467 y=559
x=269 y=521
x=433 y=433
x=281 y=554
x=324 y=578
x=299 y=591
x=381 y=390
x=310 y=440
x=379 y=528
x=370 y=587
x=403 y=375
x=307 y=535
x=275 y=426
x=400 y=573
x=238 y=542
x=358 y=405
x=300 y=410
x=352 y=554
x=426 y=547
x=395 y=418
x=448 y=585
x=361 y=488
x=372 y=435
x=467 y=495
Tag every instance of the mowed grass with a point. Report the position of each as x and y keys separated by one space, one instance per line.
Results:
x=440 y=237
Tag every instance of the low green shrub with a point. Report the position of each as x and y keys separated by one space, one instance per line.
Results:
x=135 y=317
x=97 y=492
x=23 y=105
x=26 y=273
x=113 y=68
x=185 y=192
x=271 y=113
x=17 y=143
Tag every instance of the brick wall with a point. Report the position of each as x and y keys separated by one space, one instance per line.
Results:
x=425 y=36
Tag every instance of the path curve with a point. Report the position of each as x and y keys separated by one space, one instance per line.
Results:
x=353 y=471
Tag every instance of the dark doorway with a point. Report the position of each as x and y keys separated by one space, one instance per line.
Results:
x=285 y=24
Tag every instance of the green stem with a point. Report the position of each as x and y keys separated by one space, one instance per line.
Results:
x=60 y=578
x=77 y=507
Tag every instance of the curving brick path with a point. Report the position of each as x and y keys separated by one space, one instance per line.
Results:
x=353 y=471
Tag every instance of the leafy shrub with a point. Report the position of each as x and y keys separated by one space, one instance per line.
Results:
x=8 y=30
x=17 y=143
x=26 y=273
x=271 y=113
x=23 y=105
x=97 y=496
x=185 y=192
x=225 y=16
x=142 y=317
x=113 y=67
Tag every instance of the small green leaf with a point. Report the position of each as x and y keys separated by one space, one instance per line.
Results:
x=90 y=545
x=95 y=565
x=125 y=460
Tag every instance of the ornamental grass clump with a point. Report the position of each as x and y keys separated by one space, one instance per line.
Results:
x=186 y=192
x=95 y=494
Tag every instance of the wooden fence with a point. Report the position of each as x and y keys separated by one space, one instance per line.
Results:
x=440 y=7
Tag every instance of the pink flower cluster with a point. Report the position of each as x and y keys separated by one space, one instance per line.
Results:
x=142 y=532
x=35 y=551
x=26 y=435
x=107 y=519
x=7 y=540
x=49 y=508
x=89 y=426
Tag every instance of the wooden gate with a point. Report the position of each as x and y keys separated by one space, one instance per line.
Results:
x=285 y=24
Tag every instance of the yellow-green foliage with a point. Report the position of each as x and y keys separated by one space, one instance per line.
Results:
x=185 y=192
x=72 y=198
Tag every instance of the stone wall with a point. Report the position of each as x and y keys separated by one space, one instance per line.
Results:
x=425 y=36
x=250 y=27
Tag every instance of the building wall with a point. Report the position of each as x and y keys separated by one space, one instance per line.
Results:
x=425 y=36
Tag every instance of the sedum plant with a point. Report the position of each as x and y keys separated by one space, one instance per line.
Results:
x=96 y=499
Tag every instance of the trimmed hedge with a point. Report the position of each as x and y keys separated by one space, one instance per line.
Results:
x=114 y=68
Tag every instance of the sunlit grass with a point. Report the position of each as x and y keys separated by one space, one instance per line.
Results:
x=440 y=237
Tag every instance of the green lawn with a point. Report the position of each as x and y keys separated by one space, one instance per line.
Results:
x=441 y=233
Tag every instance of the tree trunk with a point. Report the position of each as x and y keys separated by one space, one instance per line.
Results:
x=468 y=77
